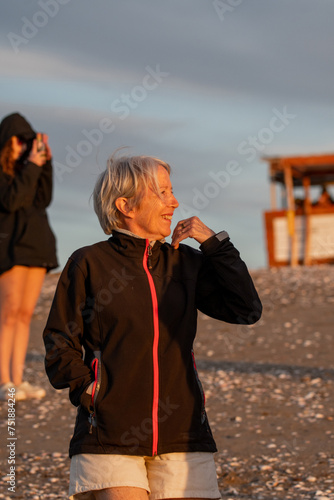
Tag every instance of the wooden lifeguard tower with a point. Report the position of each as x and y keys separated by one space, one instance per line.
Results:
x=301 y=231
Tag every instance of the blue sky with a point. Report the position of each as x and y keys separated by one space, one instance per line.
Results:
x=200 y=84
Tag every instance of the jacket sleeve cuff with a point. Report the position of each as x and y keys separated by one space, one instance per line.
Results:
x=214 y=242
x=223 y=235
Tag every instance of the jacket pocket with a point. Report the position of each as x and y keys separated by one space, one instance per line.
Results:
x=96 y=367
x=201 y=390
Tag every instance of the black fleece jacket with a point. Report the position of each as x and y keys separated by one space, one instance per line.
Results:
x=25 y=234
x=132 y=310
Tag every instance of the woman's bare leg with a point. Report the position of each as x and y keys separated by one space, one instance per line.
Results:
x=34 y=277
x=11 y=289
x=122 y=493
x=127 y=493
x=19 y=290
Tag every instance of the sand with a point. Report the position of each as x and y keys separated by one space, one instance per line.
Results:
x=269 y=391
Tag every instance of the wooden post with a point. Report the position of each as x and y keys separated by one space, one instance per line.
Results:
x=273 y=200
x=307 y=213
x=291 y=214
x=283 y=196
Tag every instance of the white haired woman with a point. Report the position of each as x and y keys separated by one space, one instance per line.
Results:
x=130 y=305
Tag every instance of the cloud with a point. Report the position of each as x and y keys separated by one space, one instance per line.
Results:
x=258 y=48
x=225 y=76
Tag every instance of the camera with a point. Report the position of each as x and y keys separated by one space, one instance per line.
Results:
x=40 y=143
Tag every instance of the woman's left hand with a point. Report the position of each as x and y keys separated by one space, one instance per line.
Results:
x=191 y=228
x=39 y=157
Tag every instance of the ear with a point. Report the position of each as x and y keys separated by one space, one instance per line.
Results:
x=122 y=205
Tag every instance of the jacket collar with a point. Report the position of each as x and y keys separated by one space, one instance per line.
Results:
x=129 y=233
x=131 y=245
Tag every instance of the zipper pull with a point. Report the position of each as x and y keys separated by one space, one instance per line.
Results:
x=90 y=420
x=149 y=255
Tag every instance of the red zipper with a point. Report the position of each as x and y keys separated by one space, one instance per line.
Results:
x=155 y=405
x=95 y=367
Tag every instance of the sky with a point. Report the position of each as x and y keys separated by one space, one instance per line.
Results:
x=211 y=87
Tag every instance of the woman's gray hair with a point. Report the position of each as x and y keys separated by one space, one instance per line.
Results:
x=125 y=177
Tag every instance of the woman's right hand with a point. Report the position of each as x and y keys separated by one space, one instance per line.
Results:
x=40 y=157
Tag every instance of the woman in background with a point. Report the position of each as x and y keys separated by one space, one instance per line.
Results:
x=27 y=244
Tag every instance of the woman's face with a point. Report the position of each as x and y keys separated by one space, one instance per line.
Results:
x=152 y=219
x=18 y=147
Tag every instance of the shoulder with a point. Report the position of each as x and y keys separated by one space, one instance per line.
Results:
x=184 y=253
x=182 y=250
x=89 y=251
x=86 y=256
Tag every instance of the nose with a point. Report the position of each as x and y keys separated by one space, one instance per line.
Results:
x=173 y=201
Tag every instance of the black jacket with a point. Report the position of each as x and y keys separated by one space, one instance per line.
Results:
x=133 y=310
x=25 y=234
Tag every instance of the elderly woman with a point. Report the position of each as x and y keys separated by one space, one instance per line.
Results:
x=130 y=305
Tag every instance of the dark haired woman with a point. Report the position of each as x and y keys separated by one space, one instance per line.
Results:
x=27 y=244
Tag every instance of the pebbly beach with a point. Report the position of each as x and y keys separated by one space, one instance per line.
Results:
x=269 y=397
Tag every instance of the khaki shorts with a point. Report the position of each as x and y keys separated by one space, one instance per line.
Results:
x=172 y=475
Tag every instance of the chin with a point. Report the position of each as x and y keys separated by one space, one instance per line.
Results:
x=167 y=233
